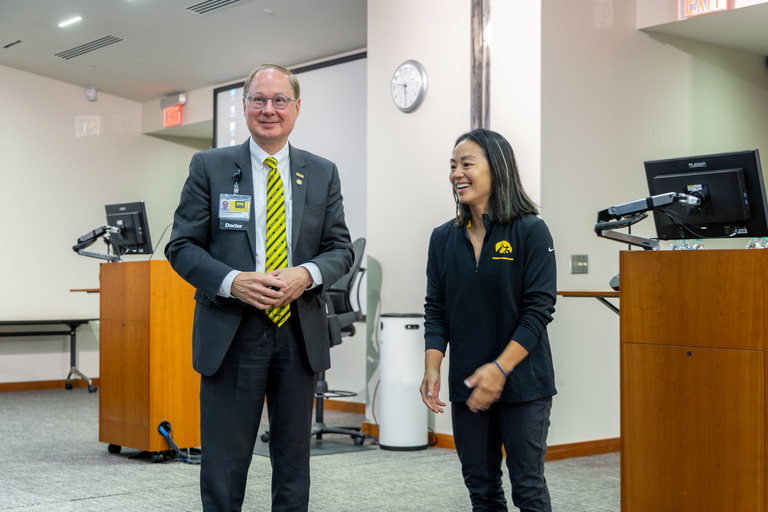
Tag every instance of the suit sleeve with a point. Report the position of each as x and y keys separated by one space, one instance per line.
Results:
x=187 y=249
x=335 y=255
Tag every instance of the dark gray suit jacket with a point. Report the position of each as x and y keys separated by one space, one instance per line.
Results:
x=203 y=254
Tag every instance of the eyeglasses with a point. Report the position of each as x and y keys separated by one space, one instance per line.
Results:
x=279 y=101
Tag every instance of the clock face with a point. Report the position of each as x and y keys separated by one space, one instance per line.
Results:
x=409 y=85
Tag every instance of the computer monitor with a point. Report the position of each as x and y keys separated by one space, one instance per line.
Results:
x=730 y=187
x=131 y=219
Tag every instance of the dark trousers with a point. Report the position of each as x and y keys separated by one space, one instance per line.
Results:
x=522 y=430
x=263 y=361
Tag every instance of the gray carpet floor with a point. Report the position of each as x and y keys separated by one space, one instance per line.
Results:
x=51 y=460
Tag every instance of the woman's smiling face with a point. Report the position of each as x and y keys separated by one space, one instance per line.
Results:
x=470 y=175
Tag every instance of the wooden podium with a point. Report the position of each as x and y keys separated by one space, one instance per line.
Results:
x=146 y=357
x=693 y=377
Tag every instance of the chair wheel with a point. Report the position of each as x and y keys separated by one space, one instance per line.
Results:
x=68 y=384
x=157 y=456
x=92 y=389
x=265 y=438
x=359 y=440
x=114 y=448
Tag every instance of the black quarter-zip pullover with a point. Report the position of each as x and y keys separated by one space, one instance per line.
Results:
x=478 y=306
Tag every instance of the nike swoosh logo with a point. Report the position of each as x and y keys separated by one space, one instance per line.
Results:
x=551 y=249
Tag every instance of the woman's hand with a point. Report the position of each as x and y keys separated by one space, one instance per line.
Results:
x=430 y=386
x=430 y=391
x=486 y=383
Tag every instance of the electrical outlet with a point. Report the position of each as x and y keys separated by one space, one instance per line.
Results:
x=579 y=264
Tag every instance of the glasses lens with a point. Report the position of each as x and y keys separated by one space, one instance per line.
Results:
x=258 y=101
x=280 y=101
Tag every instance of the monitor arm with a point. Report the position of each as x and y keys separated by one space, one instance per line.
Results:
x=89 y=238
x=624 y=215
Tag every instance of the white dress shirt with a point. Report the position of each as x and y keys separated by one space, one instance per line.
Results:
x=259 y=213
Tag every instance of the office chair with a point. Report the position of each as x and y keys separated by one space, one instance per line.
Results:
x=342 y=316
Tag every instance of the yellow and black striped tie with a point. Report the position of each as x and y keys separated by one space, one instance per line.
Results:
x=277 y=246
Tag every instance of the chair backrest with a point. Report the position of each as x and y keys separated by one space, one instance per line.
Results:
x=341 y=291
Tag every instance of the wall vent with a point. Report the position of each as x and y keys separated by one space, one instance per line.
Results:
x=210 y=5
x=88 y=47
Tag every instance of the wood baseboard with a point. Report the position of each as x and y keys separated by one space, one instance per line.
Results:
x=341 y=406
x=44 y=384
x=584 y=449
x=554 y=452
x=370 y=429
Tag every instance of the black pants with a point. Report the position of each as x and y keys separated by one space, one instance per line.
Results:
x=522 y=430
x=264 y=360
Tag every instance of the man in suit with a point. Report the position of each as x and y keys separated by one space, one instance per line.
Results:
x=247 y=345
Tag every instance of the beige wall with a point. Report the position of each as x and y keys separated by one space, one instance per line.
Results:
x=408 y=189
x=75 y=177
x=610 y=97
x=409 y=193
x=54 y=188
x=584 y=97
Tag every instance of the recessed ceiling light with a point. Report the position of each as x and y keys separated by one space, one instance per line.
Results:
x=267 y=10
x=70 y=21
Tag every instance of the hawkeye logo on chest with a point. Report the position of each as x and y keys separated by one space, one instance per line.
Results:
x=503 y=251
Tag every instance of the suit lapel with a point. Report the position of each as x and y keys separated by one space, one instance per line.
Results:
x=243 y=162
x=299 y=177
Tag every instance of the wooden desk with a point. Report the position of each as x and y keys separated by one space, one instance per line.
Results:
x=72 y=323
x=600 y=295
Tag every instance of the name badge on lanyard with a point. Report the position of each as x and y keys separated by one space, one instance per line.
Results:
x=234 y=212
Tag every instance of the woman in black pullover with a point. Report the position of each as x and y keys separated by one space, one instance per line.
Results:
x=491 y=287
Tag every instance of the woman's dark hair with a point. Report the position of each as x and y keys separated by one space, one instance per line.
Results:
x=508 y=200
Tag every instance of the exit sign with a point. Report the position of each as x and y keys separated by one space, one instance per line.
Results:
x=690 y=8
x=172 y=116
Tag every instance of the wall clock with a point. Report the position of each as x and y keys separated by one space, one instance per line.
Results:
x=409 y=86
